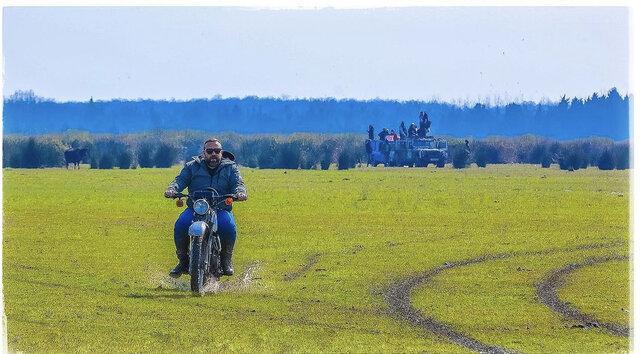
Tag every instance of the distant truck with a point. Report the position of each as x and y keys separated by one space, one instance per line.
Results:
x=419 y=152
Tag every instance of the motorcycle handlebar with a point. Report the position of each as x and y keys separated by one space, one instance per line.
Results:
x=223 y=196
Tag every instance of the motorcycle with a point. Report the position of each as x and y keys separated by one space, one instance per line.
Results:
x=204 y=242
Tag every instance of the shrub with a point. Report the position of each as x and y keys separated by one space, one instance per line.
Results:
x=106 y=162
x=538 y=154
x=145 y=154
x=192 y=148
x=606 y=161
x=525 y=146
x=346 y=159
x=166 y=155
x=460 y=157
x=51 y=150
x=572 y=158
x=13 y=160
x=12 y=151
x=480 y=157
x=328 y=150
x=33 y=152
x=267 y=152
x=621 y=155
x=350 y=152
x=554 y=151
x=125 y=159
x=31 y=155
x=485 y=152
x=541 y=153
x=592 y=150
x=248 y=153
x=289 y=155
x=310 y=153
x=106 y=152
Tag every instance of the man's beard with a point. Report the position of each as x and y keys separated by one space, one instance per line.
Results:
x=213 y=163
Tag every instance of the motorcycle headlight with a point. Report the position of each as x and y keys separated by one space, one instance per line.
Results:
x=200 y=206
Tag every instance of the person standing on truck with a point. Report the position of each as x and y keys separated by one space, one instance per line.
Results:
x=392 y=136
x=383 y=134
x=403 y=131
x=370 y=131
x=413 y=130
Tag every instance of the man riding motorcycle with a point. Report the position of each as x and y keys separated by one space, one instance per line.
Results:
x=213 y=168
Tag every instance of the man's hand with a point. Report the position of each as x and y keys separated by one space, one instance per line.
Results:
x=241 y=197
x=170 y=193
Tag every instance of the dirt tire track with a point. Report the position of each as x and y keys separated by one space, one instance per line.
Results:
x=399 y=299
x=547 y=292
x=311 y=261
x=398 y=296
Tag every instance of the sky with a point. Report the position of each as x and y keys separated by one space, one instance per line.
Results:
x=452 y=54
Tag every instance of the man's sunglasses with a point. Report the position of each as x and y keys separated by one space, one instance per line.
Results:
x=211 y=151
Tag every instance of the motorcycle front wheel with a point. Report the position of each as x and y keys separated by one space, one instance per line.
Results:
x=196 y=266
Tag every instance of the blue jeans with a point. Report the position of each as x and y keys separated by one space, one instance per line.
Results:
x=226 y=228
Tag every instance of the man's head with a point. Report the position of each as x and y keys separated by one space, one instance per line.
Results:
x=212 y=152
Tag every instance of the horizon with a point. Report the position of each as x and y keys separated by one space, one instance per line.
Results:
x=492 y=102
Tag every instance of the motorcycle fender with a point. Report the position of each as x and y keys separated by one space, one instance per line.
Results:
x=214 y=222
x=198 y=229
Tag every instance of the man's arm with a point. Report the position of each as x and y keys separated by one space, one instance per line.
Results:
x=179 y=183
x=237 y=184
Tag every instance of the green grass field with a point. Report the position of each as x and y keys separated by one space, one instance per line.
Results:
x=86 y=253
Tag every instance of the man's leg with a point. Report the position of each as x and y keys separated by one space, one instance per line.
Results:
x=181 y=239
x=227 y=232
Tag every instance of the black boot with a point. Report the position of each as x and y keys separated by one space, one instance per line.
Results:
x=227 y=253
x=183 y=264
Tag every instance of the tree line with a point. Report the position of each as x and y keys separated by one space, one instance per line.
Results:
x=297 y=151
x=567 y=118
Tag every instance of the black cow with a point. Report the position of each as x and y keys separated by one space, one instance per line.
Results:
x=74 y=156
